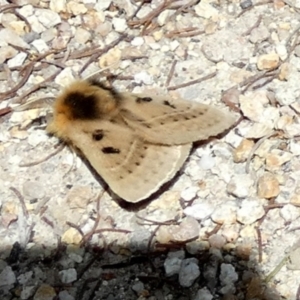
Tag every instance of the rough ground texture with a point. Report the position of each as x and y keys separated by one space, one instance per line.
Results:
x=227 y=227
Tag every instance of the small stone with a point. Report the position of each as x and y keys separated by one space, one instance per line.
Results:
x=138 y=287
x=187 y=230
x=82 y=36
x=7 y=276
x=65 y=77
x=137 y=41
x=258 y=130
x=251 y=108
x=33 y=190
x=35 y=24
x=58 y=5
x=173 y=262
x=143 y=77
x=37 y=137
x=225 y=213
x=68 y=276
x=26 y=10
x=289 y=213
x=278 y=4
x=24 y=278
x=40 y=45
x=211 y=28
x=189 y=193
x=217 y=241
x=250 y=211
x=139 y=240
x=268 y=61
x=189 y=272
x=259 y=34
x=282 y=51
x=230 y=233
x=8 y=36
x=47 y=17
x=76 y=8
x=246 y=4
x=228 y=277
x=240 y=185
x=103 y=5
x=27 y=292
x=71 y=236
x=163 y=17
x=199 y=211
x=64 y=295
x=268 y=186
x=284 y=71
x=7 y=52
x=17 y=60
x=61 y=42
x=277 y=158
x=31 y=36
x=49 y=34
x=110 y=59
x=206 y=10
x=45 y=292
x=197 y=246
x=206 y=162
x=79 y=197
x=203 y=294
x=120 y=25
x=241 y=153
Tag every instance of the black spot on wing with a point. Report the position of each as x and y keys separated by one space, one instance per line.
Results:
x=167 y=103
x=110 y=150
x=143 y=99
x=98 y=135
x=82 y=106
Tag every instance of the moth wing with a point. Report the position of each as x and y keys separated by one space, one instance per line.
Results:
x=132 y=168
x=167 y=121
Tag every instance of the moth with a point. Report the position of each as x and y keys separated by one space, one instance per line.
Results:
x=135 y=142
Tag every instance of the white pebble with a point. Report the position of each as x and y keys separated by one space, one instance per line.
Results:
x=250 y=211
x=225 y=212
x=199 y=211
x=189 y=193
x=137 y=41
x=228 y=277
x=18 y=60
x=203 y=294
x=189 y=271
x=143 y=77
x=289 y=213
x=206 y=162
x=119 y=24
x=7 y=276
x=47 y=17
x=36 y=137
x=68 y=276
x=40 y=45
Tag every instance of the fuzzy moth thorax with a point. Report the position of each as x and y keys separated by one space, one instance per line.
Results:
x=84 y=100
x=87 y=100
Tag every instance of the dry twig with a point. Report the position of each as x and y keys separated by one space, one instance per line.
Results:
x=43 y=159
x=179 y=86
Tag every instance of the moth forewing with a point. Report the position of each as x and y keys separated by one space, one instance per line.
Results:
x=173 y=122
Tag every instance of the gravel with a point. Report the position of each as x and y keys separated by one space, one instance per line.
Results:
x=227 y=227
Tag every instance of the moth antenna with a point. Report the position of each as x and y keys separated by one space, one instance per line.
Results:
x=99 y=71
x=32 y=103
